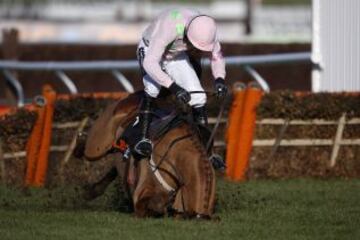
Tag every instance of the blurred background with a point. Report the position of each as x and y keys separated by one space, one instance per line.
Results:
x=122 y=21
x=88 y=30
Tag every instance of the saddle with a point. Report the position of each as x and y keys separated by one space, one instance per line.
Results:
x=109 y=127
x=113 y=125
x=163 y=121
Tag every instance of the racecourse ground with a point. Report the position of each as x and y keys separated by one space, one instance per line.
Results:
x=287 y=209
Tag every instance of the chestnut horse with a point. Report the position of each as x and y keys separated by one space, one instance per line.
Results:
x=178 y=178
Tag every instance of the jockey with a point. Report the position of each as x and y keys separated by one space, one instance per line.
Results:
x=165 y=62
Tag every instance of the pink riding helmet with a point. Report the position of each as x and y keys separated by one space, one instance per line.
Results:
x=201 y=32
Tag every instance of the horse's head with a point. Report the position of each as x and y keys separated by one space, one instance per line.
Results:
x=110 y=125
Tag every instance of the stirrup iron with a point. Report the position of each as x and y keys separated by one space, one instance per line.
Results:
x=144 y=147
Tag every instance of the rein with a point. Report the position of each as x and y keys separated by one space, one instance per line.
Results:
x=155 y=168
x=218 y=118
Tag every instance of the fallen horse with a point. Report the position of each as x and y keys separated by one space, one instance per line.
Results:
x=178 y=179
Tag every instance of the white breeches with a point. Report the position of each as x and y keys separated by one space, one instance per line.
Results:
x=182 y=73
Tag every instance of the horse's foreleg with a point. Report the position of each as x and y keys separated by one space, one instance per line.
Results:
x=94 y=190
x=150 y=204
x=148 y=199
x=197 y=198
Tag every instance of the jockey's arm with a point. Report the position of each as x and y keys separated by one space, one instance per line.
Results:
x=217 y=62
x=162 y=38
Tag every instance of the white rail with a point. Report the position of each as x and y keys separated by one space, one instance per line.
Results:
x=335 y=142
x=116 y=66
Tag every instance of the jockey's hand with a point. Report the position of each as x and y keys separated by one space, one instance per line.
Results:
x=181 y=94
x=221 y=88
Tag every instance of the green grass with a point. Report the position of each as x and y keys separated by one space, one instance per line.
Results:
x=292 y=209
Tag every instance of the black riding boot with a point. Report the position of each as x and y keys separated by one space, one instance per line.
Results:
x=200 y=117
x=144 y=146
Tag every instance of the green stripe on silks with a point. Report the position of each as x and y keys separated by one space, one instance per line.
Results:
x=180 y=28
x=175 y=14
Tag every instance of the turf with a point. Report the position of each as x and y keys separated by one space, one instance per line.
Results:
x=291 y=209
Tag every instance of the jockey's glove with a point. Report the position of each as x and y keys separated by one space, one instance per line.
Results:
x=181 y=94
x=221 y=88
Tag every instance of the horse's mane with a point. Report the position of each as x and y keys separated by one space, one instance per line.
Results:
x=204 y=163
x=130 y=105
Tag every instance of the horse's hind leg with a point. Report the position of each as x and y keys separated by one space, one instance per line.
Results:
x=94 y=190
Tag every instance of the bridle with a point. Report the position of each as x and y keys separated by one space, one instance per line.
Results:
x=218 y=118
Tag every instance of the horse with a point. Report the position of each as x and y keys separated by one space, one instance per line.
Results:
x=178 y=179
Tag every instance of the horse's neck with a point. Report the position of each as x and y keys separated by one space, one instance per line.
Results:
x=128 y=108
x=180 y=135
x=189 y=160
